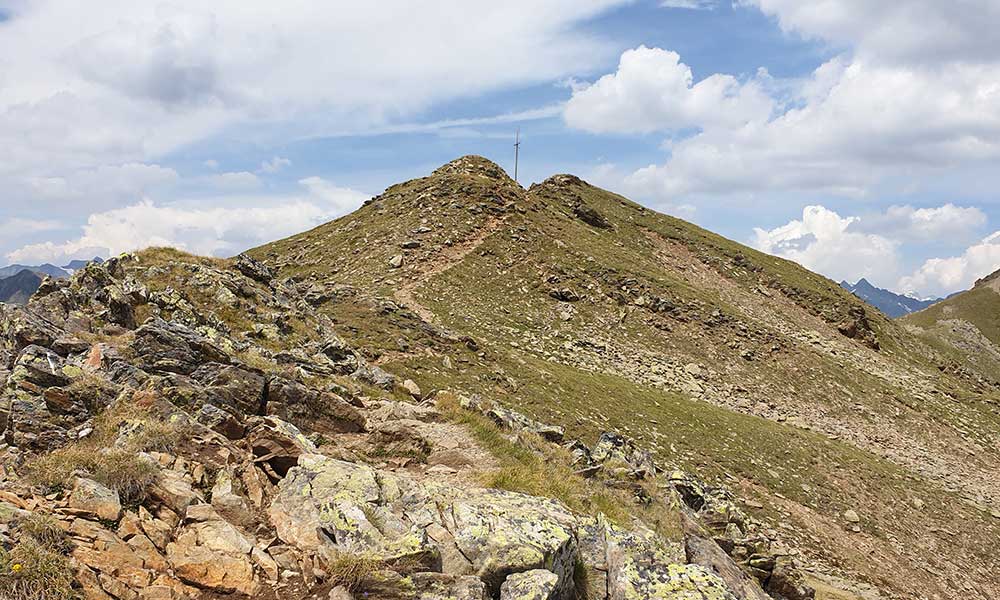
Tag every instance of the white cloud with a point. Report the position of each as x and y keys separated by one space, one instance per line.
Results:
x=856 y=125
x=892 y=109
x=941 y=276
x=822 y=241
x=275 y=164
x=947 y=222
x=237 y=180
x=914 y=30
x=869 y=246
x=689 y=4
x=18 y=226
x=218 y=230
x=652 y=90
x=150 y=77
x=211 y=163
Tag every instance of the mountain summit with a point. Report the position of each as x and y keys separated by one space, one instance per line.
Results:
x=590 y=311
x=469 y=390
x=892 y=304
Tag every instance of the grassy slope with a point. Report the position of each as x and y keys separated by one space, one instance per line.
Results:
x=727 y=300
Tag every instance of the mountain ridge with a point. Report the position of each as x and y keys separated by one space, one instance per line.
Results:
x=580 y=285
x=892 y=304
x=465 y=389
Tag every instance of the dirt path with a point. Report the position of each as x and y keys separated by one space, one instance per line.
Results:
x=449 y=257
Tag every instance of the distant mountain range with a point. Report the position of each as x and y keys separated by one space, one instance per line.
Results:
x=19 y=282
x=892 y=304
x=16 y=289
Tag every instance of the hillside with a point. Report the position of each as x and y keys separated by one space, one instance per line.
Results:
x=967 y=325
x=892 y=304
x=16 y=289
x=466 y=390
x=584 y=309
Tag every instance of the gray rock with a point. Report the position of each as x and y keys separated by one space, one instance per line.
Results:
x=536 y=584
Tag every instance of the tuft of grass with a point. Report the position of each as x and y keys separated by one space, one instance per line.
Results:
x=355 y=572
x=108 y=457
x=120 y=470
x=45 y=530
x=533 y=466
x=32 y=571
x=92 y=391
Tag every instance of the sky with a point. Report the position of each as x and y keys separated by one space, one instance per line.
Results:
x=860 y=138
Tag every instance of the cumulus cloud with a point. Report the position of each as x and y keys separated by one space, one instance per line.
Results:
x=924 y=224
x=871 y=245
x=890 y=109
x=941 y=276
x=823 y=241
x=216 y=230
x=652 y=90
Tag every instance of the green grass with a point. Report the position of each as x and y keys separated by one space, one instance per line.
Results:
x=538 y=468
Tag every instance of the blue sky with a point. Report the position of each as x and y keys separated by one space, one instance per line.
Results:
x=859 y=137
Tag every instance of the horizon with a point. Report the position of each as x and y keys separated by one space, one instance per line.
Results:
x=833 y=135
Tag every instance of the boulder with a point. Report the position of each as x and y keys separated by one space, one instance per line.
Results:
x=276 y=445
x=616 y=448
x=254 y=269
x=330 y=507
x=96 y=499
x=639 y=567
x=171 y=347
x=37 y=367
x=295 y=402
x=537 y=584
x=439 y=586
x=174 y=489
x=212 y=554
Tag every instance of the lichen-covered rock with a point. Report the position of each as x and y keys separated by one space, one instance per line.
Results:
x=334 y=507
x=537 y=584
x=616 y=448
x=641 y=568
x=96 y=499
x=328 y=506
x=439 y=586
x=37 y=367
x=171 y=347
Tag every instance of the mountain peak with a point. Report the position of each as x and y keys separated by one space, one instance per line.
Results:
x=472 y=164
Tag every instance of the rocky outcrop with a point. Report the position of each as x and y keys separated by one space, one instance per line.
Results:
x=251 y=468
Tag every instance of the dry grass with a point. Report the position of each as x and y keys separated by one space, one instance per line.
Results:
x=32 y=571
x=110 y=454
x=355 y=572
x=162 y=255
x=45 y=530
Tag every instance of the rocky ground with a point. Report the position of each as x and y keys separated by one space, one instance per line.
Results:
x=470 y=390
x=154 y=450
